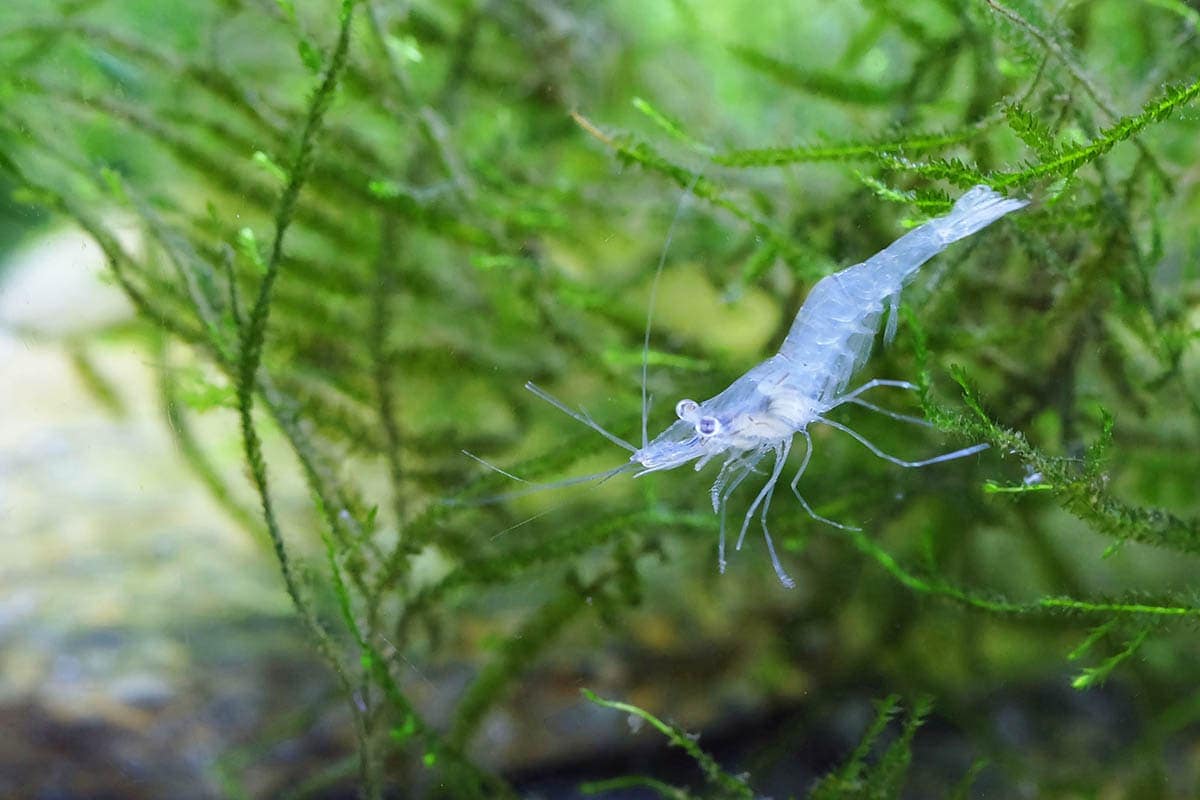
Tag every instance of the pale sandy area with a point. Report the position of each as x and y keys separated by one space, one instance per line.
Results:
x=121 y=581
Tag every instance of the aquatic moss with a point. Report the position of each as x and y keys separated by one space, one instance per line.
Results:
x=377 y=226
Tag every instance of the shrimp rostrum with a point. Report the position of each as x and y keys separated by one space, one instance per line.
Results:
x=761 y=413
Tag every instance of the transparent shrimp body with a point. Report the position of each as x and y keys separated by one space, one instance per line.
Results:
x=763 y=411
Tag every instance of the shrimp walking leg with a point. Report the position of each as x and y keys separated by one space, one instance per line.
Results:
x=876 y=382
x=796 y=490
x=784 y=578
x=966 y=451
x=729 y=474
x=764 y=500
x=853 y=397
x=889 y=413
x=721 y=495
x=781 y=454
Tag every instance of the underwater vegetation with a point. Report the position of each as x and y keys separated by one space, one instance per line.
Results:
x=366 y=224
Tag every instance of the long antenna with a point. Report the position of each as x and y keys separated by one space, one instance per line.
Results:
x=578 y=416
x=533 y=488
x=662 y=260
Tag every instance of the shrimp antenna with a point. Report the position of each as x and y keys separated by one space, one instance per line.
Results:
x=530 y=486
x=662 y=260
x=579 y=416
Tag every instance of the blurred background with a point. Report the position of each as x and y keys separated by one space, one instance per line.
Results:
x=310 y=251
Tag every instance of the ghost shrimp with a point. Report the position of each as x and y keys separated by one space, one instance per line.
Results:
x=761 y=413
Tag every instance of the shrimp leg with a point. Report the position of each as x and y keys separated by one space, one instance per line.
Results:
x=721 y=492
x=796 y=491
x=966 y=451
x=889 y=413
x=764 y=500
x=853 y=397
x=784 y=578
x=871 y=384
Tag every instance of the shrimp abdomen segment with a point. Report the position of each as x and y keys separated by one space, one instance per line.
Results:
x=975 y=210
x=834 y=329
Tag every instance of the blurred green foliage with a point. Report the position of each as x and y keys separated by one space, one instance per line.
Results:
x=367 y=224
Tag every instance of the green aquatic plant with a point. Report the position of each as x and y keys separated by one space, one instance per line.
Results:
x=721 y=782
x=861 y=776
x=366 y=225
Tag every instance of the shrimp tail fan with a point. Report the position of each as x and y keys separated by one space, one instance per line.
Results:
x=976 y=209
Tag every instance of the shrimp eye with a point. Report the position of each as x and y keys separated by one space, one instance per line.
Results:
x=686 y=409
x=707 y=426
